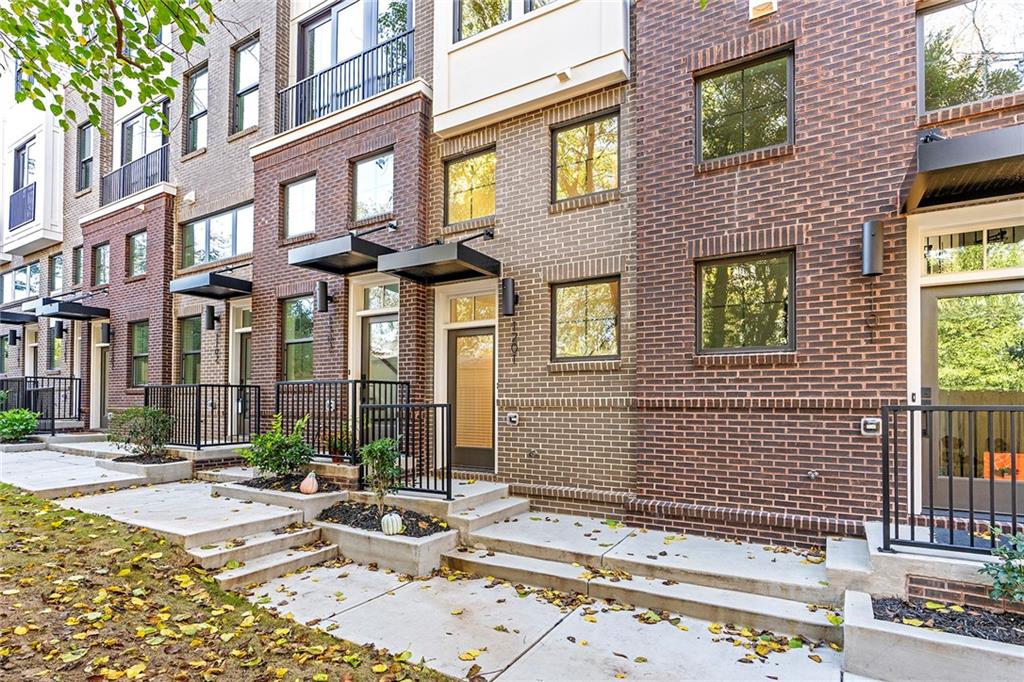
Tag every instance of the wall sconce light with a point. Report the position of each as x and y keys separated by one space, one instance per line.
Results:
x=106 y=333
x=320 y=296
x=58 y=329
x=871 y=249
x=12 y=337
x=509 y=296
x=210 y=318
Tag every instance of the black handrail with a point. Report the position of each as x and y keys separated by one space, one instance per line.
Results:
x=22 y=208
x=423 y=432
x=208 y=415
x=66 y=391
x=135 y=176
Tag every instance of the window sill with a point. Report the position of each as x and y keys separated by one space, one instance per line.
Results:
x=585 y=201
x=214 y=265
x=568 y=366
x=135 y=278
x=985 y=106
x=745 y=359
x=469 y=225
x=372 y=220
x=298 y=239
x=192 y=155
x=242 y=133
x=744 y=158
x=82 y=192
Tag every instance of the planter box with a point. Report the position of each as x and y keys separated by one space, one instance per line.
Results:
x=154 y=473
x=414 y=556
x=895 y=652
x=309 y=505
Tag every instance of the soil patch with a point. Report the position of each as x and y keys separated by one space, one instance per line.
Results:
x=958 y=620
x=290 y=483
x=365 y=516
x=148 y=459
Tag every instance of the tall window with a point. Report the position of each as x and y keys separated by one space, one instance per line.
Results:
x=198 y=97
x=374 y=186
x=101 y=265
x=246 y=112
x=746 y=303
x=300 y=207
x=56 y=272
x=3 y=354
x=586 y=157
x=298 y=338
x=77 y=265
x=349 y=28
x=745 y=108
x=21 y=79
x=585 y=317
x=191 y=349
x=137 y=254
x=970 y=51
x=25 y=165
x=220 y=236
x=56 y=348
x=139 y=138
x=139 y=339
x=470 y=186
x=21 y=283
x=474 y=16
x=84 y=177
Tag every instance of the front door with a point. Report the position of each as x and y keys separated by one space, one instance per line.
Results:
x=973 y=355
x=471 y=394
x=104 y=374
x=244 y=370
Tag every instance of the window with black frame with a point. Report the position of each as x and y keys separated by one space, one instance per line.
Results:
x=217 y=237
x=55 y=352
x=340 y=33
x=470 y=187
x=246 y=111
x=298 y=338
x=585 y=157
x=585 y=320
x=101 y=265
x=198 y=100
x=374 y=186
x=77 y=265
x=191 y=349
x=84 y=178
x=138 y=334
x=137 y=256
x=25 y=164
x=139 y=137
x=476 y=16
x=56 y=275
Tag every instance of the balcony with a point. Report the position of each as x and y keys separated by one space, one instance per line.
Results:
x=136 y=176
x=22 y=206
x=369 y=73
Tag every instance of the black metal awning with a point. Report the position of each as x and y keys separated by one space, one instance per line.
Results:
x=70 y=310
x=967 y=168
x=14 y=317
x=440 y=264
x=211 y=285
x=339 y=256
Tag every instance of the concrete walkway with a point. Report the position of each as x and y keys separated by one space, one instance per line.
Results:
x=52 y=474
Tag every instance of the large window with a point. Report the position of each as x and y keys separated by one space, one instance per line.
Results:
x=25 y=164
x=300 y=207
x=138 y=334
x=746 y=304
x=137 y=254
x=77 y=265
x=298 y=338
x=139 y=138
x=246 y=112
x=746 y=108
x=56 y=349
x=971 y=51
x=585 y=320
x=84 y=178
x=198 y=99
x=217 y=237
x=56 y=272
x=474 y=16
x=374 y=186
x=101 y=265
x=21 y=283
x=191 y=349
x=470 y=184
x=349 y=28
x=586 y=157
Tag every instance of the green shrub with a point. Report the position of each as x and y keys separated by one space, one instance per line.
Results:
x=382 y=471
x=3 y=397
x=142 y=431
x=278 y=452
x=1007 y=572
x=16 y=424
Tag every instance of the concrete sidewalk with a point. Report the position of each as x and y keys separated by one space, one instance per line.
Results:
x=50 y=474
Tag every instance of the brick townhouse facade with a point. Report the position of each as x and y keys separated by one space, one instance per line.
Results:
x=678 y=197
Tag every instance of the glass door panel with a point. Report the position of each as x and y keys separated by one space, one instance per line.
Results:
x=471 y=394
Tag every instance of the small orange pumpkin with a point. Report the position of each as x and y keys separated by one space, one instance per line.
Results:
x=309 y=484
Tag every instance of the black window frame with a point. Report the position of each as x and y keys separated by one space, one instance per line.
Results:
x=791 y=327
x=185 y=355
x=553 y=320
x=457 y=21
x=134 y=357
x=239 y=94
x=145 y=137
x=129 y=253
x=20 y=170
x=355 y=182
x=329 y=15
x=77 y=265
x=55 y=259
x=286 y=342
x=206 y=245
x=790 y=54
x=463 y=157
x=20 y=79
x=54 y=350
x=191 y=117
x=285 y=222
x=3 y=353
x=83 y=176
x=576 y=123
x=95 y=270
x=13 y=274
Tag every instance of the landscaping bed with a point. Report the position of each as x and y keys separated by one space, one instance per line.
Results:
x=969 y=621
x=148 y=459
x=289 y=483
x=365 y=517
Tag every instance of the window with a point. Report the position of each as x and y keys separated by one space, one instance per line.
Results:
x=374 y=186
x=246 y=112
x=220 y=236
x=56 y=349
x=974 y=250
x=21 y=283
x=139 y=138
x=21 y=79
x=474 y=16
x=191 y=349
x=470 y=186
x=340 y=33
x=969 y=51
x=139 y=338
x=101 y=264
x=746 y=303
x=472 y=308
x=25 y=165
x=77 y=263
x=537 y=4
x=56 y=272
x=3 y=354
x=298 y=339
x=300 y=207
x=746 y=108
x=585 y=320
x=137 y=254
x=198 y=96
x=380 y=297
x=586 y=157
x=84 y=177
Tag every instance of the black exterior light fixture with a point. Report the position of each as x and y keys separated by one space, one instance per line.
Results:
x=12 y=337
x=106 y=333
x=320 y=296
x=509 y=296
x=871 y=249
x=58 y=329
x=210 y=318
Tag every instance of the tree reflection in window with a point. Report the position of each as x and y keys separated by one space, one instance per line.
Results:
x=471 y=186
x=586 y=320
x=587 y=158
x=746 y=303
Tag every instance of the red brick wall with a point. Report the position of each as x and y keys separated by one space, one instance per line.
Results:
x=958 y=592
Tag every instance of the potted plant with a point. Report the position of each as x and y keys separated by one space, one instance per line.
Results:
x=278 y=452
x=16 y=424
x=381 y=461
x=338 y=445
x=143 y=431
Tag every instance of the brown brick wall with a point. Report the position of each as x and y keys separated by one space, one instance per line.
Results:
x=958 y=592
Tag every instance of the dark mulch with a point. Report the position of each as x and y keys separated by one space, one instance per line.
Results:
x=148 y=459
x=290 y=483
x=972 y=621
x=365 y=516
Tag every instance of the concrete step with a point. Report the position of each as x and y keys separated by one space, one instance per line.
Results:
x=226 y=474
x=848 y=563
x=556 y=537
x=117 y=481
x=495 y=511
x=270 y=566
x=555 y=575
x=252 y=546
x=73 y=437
x=469 y=493
x=244 y=529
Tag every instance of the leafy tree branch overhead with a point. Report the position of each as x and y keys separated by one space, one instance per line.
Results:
x=118 y=48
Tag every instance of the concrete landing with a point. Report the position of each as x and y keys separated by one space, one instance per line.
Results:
x=99 y=449
x=52 y=474
x=556 y=537
x=226 y=474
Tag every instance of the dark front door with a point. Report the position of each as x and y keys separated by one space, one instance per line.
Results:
x=471 y=394
x=104 y=376
x=244 y=377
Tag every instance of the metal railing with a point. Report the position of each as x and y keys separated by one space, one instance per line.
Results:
x=38 y=399
x=371 y=72
x=424 y=435
x=66 y=392
x=206 y=415
x=136 y=176
x=951 y=475
x=22 y=206
x=332 y=406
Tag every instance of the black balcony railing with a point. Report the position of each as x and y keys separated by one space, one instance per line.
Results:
x=206 y=415
x=23 y=392
x=66 y=393
x=136 y=176
x=380 y=68
x=951 y=475
x=22 y=206
x=424 y=436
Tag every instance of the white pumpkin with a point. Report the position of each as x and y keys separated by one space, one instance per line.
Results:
x=391 y=524
x=309 y=484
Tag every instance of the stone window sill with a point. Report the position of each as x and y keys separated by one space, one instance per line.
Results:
x=745 y=359
x=372 y=220
x=744 y=158
x=242 y=133
x=135 y=278
x=585 y=201
x=298 y=239
x=193 y=154
x=82 y=192
x=568 y=366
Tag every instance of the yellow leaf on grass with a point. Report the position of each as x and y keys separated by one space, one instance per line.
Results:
x=379 y=668
x=280 y=672
x=134 y=671
x=21 y=630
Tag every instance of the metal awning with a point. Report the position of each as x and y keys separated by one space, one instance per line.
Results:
x=440 y=264
x=14 y=317
x=70 y=310
x=339 y=256
x=967 y=168
x=211 y=285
